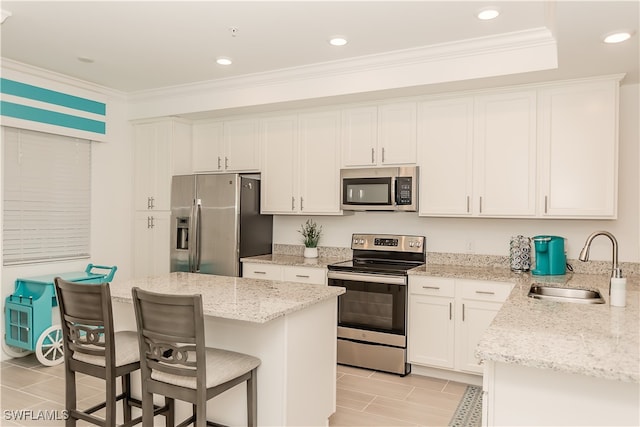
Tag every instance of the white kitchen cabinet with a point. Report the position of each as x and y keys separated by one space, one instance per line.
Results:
x=447 y=318
x=477 y=155
x=151 y=242
x=262 y=271
x=311 y=275
x=431 y=321
x=445 y=154
x=579 y=150
x=478 y=304
x=161 y=149
x=301 y=165
x=226 y=146
x=379 y=135
x=505 y=154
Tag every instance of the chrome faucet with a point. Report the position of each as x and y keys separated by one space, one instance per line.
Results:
x=584 y=253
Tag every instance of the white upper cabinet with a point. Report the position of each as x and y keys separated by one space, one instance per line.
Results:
x=579 y=150
x=379 y=135
x=359 y=136
x=397 y=133
x=477 y=156
x=161 y=149
x=445 y=148
x=279 y=164
x=319 y=162
x=229 y=146
x=301 y=164
x=505 y=154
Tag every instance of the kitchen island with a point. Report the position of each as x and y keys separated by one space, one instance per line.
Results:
x=290 y=326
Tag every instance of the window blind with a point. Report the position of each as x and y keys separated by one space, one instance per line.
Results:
x=46 y=198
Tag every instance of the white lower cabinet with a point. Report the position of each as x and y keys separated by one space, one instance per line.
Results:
x=311 y=275
x=151 y=243
x=447 y=318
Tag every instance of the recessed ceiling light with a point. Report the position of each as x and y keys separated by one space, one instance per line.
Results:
x=223 y=60
x=338 y=41
x=488 y=13
x=617 y=37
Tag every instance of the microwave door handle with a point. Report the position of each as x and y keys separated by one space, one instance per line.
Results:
x=394 y=184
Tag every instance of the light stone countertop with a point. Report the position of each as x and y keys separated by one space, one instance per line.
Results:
x=235 y=298
x=294 y=260
x=588 y=339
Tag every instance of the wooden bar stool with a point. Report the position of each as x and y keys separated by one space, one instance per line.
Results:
x=93 y=348
x=175 y=362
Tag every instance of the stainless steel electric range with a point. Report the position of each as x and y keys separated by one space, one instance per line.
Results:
x=372 y=314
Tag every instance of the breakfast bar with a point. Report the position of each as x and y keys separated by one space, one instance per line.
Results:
x=289 y=326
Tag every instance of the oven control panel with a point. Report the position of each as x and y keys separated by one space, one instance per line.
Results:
x=388 y=242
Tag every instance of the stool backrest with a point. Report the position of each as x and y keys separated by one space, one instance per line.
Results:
x=170 y=334
x=87 y=320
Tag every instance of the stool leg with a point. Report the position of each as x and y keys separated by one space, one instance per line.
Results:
x=70 y=395
x=252 y=400
x=126 y=403
x=170 y=415
x=110 y=409
x=147 y=408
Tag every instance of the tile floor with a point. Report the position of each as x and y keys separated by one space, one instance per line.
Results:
x=368 y=398
x=364 y=398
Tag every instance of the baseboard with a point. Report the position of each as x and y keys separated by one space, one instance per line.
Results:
x=445 y=374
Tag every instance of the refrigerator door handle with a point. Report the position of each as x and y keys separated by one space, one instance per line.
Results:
x=192 y=237
x=198 y=233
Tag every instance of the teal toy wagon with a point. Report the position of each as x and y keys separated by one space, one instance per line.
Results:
x=29 y=310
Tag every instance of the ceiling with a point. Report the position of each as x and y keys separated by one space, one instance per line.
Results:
x=146 y=45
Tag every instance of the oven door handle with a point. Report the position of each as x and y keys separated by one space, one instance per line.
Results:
x=365 y=277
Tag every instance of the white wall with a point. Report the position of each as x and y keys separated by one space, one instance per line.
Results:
x=491 y=236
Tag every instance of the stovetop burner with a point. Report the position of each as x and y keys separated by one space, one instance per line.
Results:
x=383 y=254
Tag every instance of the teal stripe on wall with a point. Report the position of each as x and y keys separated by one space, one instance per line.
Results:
x=11 y=87
x=33 y=114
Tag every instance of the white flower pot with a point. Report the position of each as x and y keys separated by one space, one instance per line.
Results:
x=311 y=252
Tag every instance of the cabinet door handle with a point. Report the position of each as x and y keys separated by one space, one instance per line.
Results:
x=151 y=204
x=431 y=287
x=382 y=154
x=219 y=163
x=259 y=272
x=485 y=292
x=226 y=163
x=480 y=204
x=301 y=203
x=450 y=311
x=148 y=202
x=148 y=222
x=152 y=224
x=545 y=203
x=373 y=159
x=302 y=276
x=293 y=203
x=468 y=204
x=463 y=312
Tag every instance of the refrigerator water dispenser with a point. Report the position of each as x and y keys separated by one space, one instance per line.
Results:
x=182 y=232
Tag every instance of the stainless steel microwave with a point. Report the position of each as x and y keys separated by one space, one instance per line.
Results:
x=379 y=189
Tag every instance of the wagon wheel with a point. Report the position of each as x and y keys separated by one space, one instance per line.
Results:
x=15 y=351
x=49 y=349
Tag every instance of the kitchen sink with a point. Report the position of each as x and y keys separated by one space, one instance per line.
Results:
x=583 y=296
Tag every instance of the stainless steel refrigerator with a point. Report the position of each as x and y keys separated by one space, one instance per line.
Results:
x=215 y=221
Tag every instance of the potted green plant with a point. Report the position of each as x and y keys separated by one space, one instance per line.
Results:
x=311 y=235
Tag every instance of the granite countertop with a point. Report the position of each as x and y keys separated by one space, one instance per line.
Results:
x=588 y=339
x=294 y=260
x=235 y=298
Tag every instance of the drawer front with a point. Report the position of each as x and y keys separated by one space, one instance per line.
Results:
x=436 y=286
x=262 y=271
x=316 y=276
x=484 y=290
